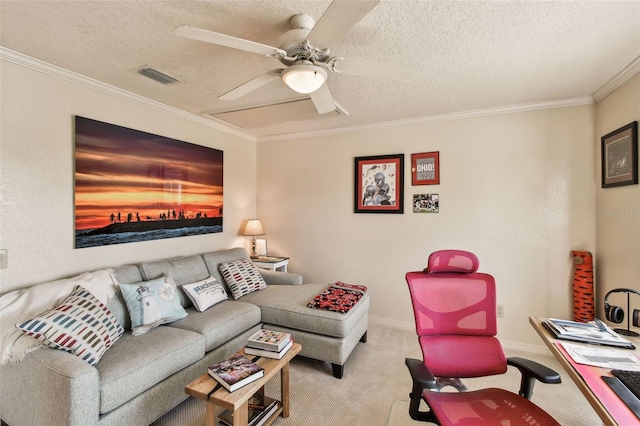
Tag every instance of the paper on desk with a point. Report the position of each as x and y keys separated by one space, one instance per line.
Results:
x=599 y=356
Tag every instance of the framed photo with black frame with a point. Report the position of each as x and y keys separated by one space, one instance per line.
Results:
x=379 y=184
x=620 y=156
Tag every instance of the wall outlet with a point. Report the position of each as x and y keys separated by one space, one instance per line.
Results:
x=500 y=311
x=3 y=259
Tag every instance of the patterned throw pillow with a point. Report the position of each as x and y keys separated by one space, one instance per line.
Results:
x=152 y=303
x=80 y=324
x=242 y=277
x=206 y=293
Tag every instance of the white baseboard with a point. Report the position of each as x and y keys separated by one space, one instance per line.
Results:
x=386 y=322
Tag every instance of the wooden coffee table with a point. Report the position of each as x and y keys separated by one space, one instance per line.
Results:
x=238 y=401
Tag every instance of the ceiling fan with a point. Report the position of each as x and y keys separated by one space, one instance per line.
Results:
x=305 y=50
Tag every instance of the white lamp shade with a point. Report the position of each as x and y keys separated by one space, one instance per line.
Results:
x=254 y=227
x=304 y=78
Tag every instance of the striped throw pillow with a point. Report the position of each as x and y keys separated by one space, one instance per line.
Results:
x=80 y=324
x=242 y=277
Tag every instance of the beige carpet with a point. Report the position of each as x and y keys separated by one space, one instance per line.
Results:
x=376 y=385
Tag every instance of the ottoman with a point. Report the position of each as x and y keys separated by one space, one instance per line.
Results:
x=324 y=335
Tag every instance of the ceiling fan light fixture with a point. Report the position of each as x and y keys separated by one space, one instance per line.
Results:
x=304 y=78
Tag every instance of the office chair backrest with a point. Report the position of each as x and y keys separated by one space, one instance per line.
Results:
x=455 y=312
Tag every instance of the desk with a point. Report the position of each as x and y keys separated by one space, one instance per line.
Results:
x=604 y=401
x=272 y=263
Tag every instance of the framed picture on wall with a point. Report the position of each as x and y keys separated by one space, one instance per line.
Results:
x=133 y=186
x=379 y=184
x=426 y=203
x=425 y=168
x=620 y=156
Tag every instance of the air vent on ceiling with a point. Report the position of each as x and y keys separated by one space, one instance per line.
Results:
x=156 y=75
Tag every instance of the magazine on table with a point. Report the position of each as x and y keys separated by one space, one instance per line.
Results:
x=595 y=332
x=235 y=372
x=267 y=353
x=269 y=340
x=270 y=259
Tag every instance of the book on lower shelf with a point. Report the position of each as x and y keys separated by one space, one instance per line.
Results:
x=268 y=353
x=269 y=340
x=261 y=407
x=235 y=372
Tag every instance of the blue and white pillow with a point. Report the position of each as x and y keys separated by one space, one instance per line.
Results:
x=80 y=324
x=152 y=303
x=206 y=293
x=242 y=277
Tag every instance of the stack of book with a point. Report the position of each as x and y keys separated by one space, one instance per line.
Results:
x=261 y=408
x=235 y=372
x=595 y=332
x=269 y=344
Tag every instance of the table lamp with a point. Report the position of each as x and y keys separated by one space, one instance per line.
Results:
x=253 y=228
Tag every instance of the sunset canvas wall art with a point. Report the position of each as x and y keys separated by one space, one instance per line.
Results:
x=134 y=186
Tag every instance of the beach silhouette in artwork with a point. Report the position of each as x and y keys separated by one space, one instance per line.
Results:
x=164 y=221
x=134 y=186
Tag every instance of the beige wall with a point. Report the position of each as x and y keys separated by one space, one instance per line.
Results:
x=517 y=189
x=617 y=209
x=36 y=170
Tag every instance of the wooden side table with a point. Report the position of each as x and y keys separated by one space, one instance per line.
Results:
x=238 y=401
x=271 y=262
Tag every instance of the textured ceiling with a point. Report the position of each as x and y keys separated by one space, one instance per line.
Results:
x=472 y=55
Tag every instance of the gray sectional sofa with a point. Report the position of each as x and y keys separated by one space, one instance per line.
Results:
x=142 y=377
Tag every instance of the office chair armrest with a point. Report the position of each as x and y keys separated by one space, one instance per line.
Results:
x=531 y=371
x=422 y=379
x=420 y=374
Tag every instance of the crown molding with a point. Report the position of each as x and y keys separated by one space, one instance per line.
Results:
x=23 y=60
x=463 y=115
x=621 y=78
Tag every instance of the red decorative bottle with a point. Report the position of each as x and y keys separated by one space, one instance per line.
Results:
x=583 y=308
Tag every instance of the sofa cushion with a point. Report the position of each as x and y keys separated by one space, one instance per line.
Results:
x=206 y=293
x=80 y=324
x=220 y=323
x=287 y=306
x=152 y=303
x=182 y=270
x=136 y=364
x=118 y=308
x=213 y=259
x=242 y=277
x=128 y=274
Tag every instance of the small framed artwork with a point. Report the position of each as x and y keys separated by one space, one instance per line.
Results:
x=261 y=247
x=620 y=156
x=425 y=168
x=426 y=203
x=379 y=184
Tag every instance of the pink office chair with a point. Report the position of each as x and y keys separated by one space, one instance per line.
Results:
x=455 y=312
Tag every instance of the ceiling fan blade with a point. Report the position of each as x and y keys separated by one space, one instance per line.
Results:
x=371 y=68
x=227 y=40
x=339 y=18
x=251 y=85
x=323 y=100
